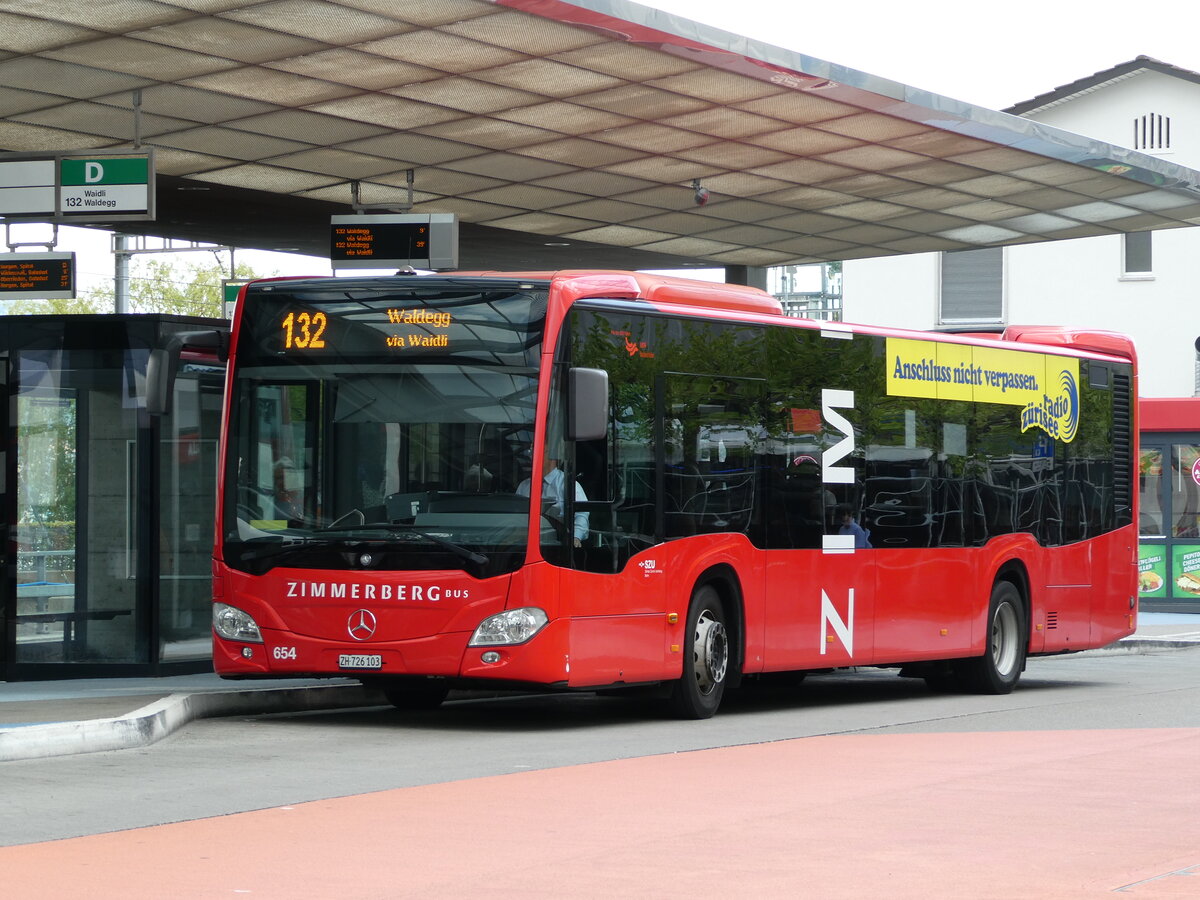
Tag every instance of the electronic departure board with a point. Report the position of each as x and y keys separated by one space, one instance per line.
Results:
x=423 y=241
x=37 y=276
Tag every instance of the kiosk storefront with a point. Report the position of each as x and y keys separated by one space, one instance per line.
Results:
x=106 y=511
x=1169 y=490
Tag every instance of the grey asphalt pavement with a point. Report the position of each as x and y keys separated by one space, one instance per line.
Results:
x=60 y=718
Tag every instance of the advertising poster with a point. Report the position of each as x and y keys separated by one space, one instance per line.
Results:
x=1185 y=567
x=1046 y=387
x=1152 y=571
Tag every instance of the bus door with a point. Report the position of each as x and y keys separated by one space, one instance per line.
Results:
x=820 y=573
x=709 y=445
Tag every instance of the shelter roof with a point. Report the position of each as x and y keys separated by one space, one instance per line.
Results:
x=544 y=123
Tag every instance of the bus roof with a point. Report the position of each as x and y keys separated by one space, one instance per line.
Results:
x=668 y=289
x=1111 y=343
x=671 y=290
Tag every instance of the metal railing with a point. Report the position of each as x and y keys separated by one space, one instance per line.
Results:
x=825 y=307
x=40 y=564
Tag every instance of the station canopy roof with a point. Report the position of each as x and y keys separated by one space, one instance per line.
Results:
x=543 y=123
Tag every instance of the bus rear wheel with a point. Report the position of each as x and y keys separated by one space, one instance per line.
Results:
x=999 y=669
x=706 y=657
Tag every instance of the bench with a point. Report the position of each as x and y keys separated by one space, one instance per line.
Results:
x=50 y=601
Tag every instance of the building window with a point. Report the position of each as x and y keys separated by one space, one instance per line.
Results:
x=1152 y=132
x=1137 y=253
x=972 y=287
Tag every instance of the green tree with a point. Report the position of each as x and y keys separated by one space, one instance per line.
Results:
x=156 y=285
x=72 y=305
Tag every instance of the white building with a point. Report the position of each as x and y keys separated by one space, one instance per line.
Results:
x=1146 y=284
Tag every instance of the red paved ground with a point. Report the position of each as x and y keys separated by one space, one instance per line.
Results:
x=989 y=815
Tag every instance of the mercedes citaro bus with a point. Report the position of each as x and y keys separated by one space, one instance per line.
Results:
x=589 y=480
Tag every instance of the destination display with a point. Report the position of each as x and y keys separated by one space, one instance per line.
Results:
x=398 y=329
x=304 y=330
x=390 y=319
x=424 y=241
x=37 y=276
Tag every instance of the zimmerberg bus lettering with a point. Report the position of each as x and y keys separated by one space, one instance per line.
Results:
x=831 y=473
x=843 y=628
x=835 y=474
x=416 y=593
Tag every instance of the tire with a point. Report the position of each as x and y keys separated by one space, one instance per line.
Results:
x=706 y=657
x=417 y=695
x=999 y=669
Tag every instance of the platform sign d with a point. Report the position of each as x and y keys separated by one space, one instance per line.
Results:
x=105 y=185
x=91 y=186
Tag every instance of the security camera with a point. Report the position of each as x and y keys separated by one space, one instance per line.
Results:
x=701 y=193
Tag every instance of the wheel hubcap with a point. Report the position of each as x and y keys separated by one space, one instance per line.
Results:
x=1004 y=639
x=710 y=652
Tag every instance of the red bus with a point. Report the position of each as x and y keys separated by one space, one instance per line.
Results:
x=594 y=480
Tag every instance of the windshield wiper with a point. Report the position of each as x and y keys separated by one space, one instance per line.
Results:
x=288 y=545
x=393 y=531
x=457 y=549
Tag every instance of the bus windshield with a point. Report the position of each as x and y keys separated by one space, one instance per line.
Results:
x=382 y=425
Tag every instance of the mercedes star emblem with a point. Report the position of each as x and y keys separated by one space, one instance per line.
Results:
x=361 y=624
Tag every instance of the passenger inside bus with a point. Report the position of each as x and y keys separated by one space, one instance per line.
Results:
x=847 y=524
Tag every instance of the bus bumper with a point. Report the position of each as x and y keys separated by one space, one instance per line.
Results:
x=543 y=659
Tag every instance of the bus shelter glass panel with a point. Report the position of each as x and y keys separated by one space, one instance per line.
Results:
x=76 y=422
x=45 y=516
x=187 y=467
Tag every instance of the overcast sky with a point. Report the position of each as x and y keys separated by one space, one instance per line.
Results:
x=989 y=54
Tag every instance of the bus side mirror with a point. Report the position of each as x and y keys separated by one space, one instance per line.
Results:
x=163 y=365
x=587 y=397
x=160 y=379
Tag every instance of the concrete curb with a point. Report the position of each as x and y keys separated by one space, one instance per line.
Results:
x=155 y=721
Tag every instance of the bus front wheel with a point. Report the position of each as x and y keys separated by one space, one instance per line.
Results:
x=999 y=668
x=706 y=657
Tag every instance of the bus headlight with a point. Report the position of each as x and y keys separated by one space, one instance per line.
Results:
x=513 y=626
x=234 y=625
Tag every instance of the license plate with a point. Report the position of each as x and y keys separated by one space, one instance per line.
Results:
x=360 y=661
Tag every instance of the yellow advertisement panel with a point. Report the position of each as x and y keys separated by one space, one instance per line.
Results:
x=1046 y=387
